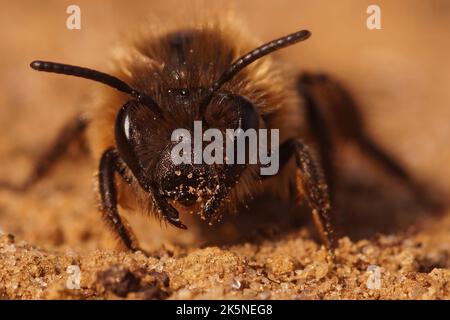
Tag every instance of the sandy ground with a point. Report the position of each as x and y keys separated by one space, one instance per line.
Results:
x=399 y=74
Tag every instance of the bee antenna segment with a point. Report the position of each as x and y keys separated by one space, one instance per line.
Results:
x=94 y=75
x=251 y=57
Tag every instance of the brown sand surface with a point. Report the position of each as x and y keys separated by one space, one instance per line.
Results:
x=399 y=74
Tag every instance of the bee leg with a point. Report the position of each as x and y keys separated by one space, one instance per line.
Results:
x=169 y=213
x=57 y=149
x=320 y=130
x=313 y=188
x=109 y=165
x=332 y=112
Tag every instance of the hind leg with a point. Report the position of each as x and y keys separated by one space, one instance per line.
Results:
x=71 y=131
x=333 y=115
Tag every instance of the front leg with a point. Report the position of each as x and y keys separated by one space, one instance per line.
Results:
x=108 y=196
x=311 y=185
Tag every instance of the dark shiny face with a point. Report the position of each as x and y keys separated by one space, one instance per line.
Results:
x=143 y=138
x=185 y=183
x=143 y=127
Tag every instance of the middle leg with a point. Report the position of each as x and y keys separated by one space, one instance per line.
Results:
x=311 y=185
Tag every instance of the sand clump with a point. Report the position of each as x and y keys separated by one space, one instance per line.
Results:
x=291 y=268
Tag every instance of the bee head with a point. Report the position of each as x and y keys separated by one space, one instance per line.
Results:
x=150 y=156
x=136 y=134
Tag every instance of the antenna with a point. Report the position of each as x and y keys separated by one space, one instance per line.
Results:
x=94 y=75
x=251 y=57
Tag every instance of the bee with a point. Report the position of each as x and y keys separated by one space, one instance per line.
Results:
x=218 y=75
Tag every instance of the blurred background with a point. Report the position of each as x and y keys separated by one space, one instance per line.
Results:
x=400 y=75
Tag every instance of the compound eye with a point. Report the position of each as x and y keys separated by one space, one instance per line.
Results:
x=247 y=113
x=230 y=111
x=126 y=136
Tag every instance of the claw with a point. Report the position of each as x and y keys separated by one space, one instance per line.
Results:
x=174 y=219
x=171 y=215
x=168 y=211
